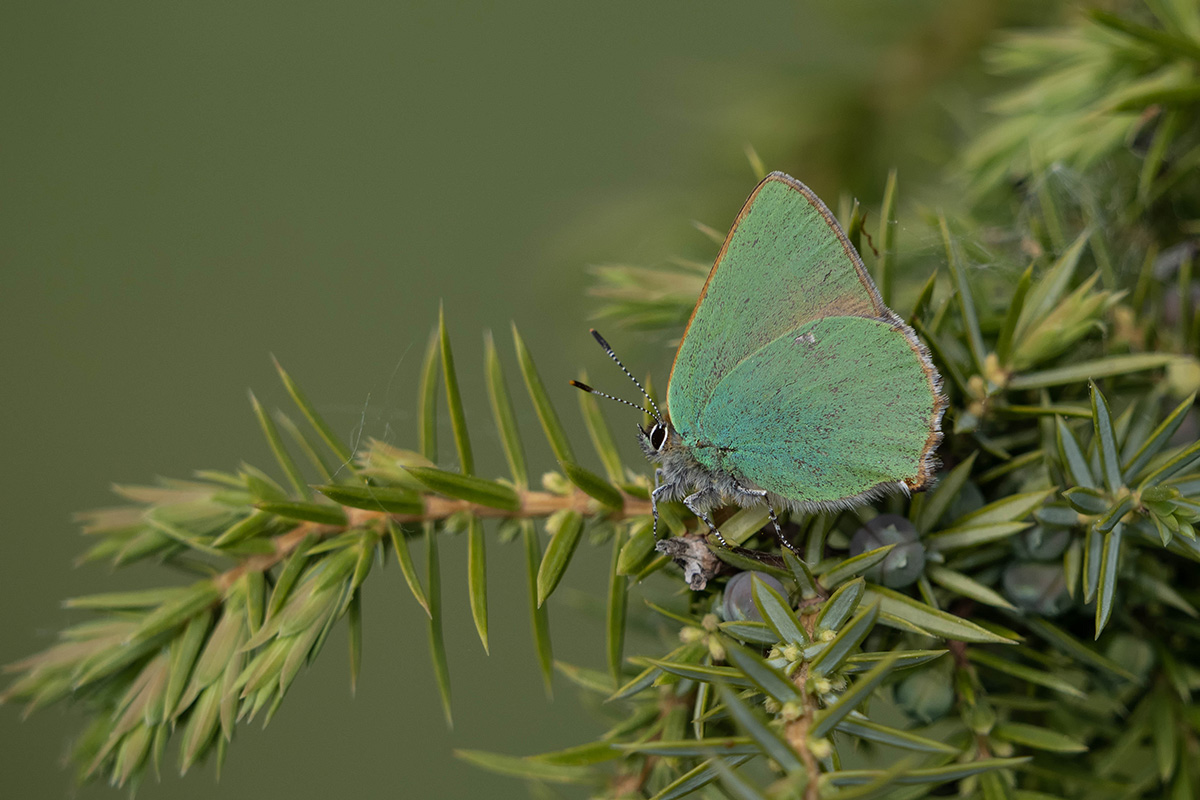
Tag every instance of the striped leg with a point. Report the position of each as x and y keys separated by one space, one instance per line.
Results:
x=693 y=502
x=761 y=494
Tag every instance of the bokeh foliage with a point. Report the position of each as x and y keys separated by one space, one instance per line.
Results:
x=1026 y=629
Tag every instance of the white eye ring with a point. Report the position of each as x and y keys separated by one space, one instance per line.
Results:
x=658 y=436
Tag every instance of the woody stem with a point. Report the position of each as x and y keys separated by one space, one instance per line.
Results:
x=797 y=730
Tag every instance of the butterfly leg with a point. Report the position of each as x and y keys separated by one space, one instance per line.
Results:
x=692 y=503
x=762 y=495
x=654 y=503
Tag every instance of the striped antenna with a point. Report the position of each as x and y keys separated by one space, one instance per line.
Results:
x=590 y=390
x=657 y=414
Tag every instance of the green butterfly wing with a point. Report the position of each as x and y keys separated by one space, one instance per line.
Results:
x=784 y=262
x=835 y=410
x=859 y=405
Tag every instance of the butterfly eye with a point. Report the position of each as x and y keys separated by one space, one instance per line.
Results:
x=658 y=436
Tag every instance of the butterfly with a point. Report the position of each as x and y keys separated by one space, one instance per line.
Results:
x=794 y=386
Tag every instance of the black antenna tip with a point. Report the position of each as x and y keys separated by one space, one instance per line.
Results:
x=583 y=386
x=600 y=339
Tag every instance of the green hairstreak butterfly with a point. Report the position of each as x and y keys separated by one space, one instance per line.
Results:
x=794 y=385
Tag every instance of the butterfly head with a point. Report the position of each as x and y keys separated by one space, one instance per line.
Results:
x=655 y=439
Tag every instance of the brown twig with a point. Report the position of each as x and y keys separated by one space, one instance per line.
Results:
x=533 y=504
x=798 y=729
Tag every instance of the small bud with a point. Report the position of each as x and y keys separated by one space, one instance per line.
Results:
x=827 y=636
x=774 y=653
x=791 y=652
x=554 y=521
x=979 y=717
x=771 y=705
x=1001 y=748
x=822 y=686
x=992 y=371
x=716 y=649
x=791 y=711
x=1183 y=377
x=557 y=483
x=457 y=523
x=690 y=635
x=508 y=531
x=821 y=748
x=710 y=623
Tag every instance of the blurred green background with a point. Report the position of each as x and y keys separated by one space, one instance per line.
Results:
x=188 y=188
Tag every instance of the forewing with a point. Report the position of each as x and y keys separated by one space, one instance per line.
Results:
x=785 y=262
x=837 y=410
